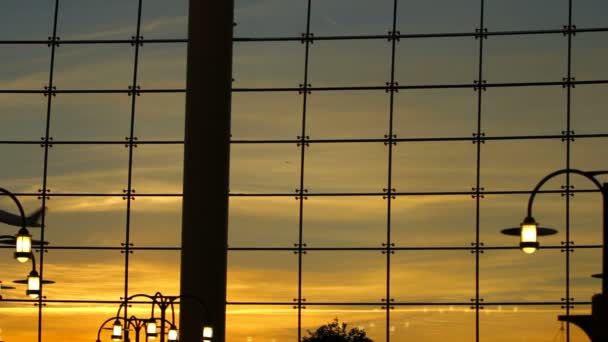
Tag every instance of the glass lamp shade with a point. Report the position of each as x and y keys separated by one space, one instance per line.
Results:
x=23 y=245
x=172 y=335
x=33 y=284
x=151 y=329
x=529 y=236
x=116 y=331
x=207 y=333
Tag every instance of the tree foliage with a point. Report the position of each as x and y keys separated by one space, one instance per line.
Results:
x=336 y=332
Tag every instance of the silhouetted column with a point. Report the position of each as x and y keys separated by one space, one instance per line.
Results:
x=206 y=167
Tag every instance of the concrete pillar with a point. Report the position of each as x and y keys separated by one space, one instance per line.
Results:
x=206 y=168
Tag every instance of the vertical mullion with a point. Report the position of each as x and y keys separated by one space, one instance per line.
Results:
x=129 y=191
x=303 y=143
x=389 y=188
x=50 y=93
x=480 y=88
x=568 y=150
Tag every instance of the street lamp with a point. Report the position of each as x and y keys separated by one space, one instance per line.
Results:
x=168 y=329
x=595 y=324
x=23 y=243
x=33 y=281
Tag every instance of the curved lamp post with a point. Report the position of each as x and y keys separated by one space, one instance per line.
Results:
x=152 y=325
x=596 y=324
x=23 y=239
x=33 y=281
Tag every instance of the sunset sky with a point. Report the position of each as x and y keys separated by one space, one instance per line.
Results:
x=335 y=278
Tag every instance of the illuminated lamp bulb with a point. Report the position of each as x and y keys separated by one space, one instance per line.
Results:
x=207 y=333
x=151 y=329
x=172 y=335
x=23 y=245
x=116 y=331
x=33 y=284
x=529 y=235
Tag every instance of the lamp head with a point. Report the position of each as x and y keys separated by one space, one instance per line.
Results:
x=116 y=331
x=529 y=235
x=23 y=245
x=207 y=333
x=151 y=329
x=33 y=284
x=172 y=335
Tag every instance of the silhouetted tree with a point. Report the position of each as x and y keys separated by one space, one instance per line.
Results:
x=336 y=332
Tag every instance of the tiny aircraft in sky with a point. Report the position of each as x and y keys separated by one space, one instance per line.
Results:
x=33 y=220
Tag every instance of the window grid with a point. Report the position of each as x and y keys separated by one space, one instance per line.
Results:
x=394 y=37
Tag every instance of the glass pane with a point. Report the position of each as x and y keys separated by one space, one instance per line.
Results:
x=161 y=21
x=94 y=67
x=85 y=221
x=262 y=276
x=263 y=221
x=351 y=17
x=275 y=18
x=84 y=274
x=91 y=117
x=432 y=323
x=524 y=111
x=158 y=168
x=589 y=55
x=162 y=66
x=20 y=20
x=58 y=321
x=419 y=276
x=25 y=67
x=19 y=321
x=24 y=172
x=366 y=115
x=431 y=113
x=346 y=167
x=370 y=319
x=267 y=168
x=437 y=61
x=332 y=63
x=585 y=214
x=526 y=15
x=587 y=105
x=344 y=221
x=156 y=221
x=97 y=20
x=343 y=276
x=268 y=64
x=437 y=16
x=585 y=156
x=23 y=116
x=589 y=13
x=414 y=221
x=160 y=116
x=505 y=165
x=585 y=262
x=422 y=166
x=243 y=322
x=512 y=276
x=529 y=58
x=87 y=168
x=509 y=323
x=498 y=212
x=266 y=115
x=160 y=266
